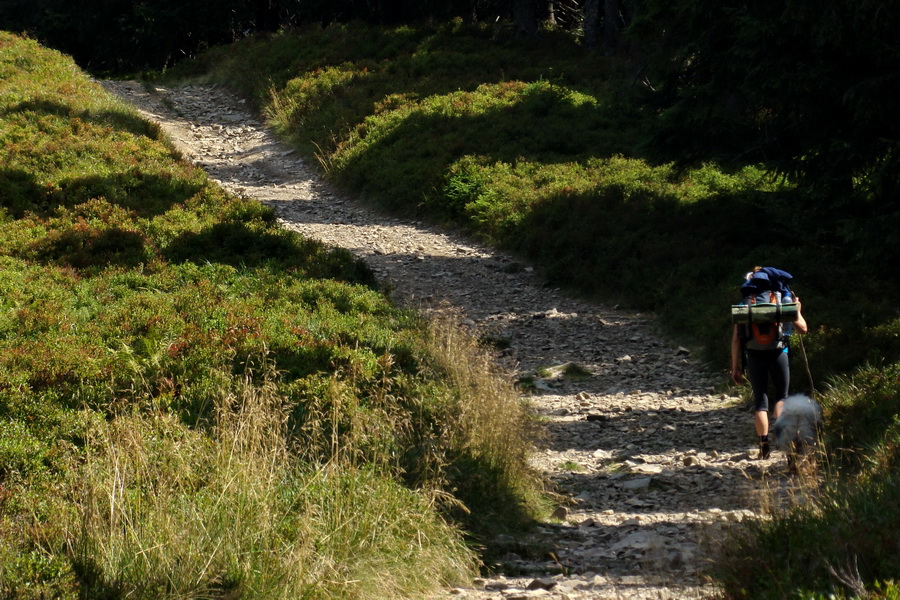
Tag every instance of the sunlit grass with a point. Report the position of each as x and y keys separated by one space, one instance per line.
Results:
x=169 y=512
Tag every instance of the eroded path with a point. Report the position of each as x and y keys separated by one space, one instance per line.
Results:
x=650 y=461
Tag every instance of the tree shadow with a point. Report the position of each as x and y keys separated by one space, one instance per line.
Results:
x=421 y=61
x=605 y=241
x=19 y=192
x=119 y=120
x=146 y=195
x=247 y=246
x=697 y=431
x=143 y=194
x=82 y=246
x=415 y=154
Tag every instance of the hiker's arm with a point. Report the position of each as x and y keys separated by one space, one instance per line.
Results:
x=737 y=375
x=800 y=324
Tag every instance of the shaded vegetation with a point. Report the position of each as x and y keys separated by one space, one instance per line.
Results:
x=181 y=30
x=721 y=135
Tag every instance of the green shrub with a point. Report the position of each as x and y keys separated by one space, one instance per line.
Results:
x=544 y=150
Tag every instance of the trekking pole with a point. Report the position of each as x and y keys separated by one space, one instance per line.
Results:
x=812 y=387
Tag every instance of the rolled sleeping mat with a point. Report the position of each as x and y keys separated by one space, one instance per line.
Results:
x=745 y=314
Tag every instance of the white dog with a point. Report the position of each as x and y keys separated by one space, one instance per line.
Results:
x=798 y=427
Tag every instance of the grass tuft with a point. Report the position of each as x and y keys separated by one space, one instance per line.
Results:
x=166 y=511
x=490 y=435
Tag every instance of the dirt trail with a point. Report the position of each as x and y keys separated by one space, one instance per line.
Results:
x=649 y=460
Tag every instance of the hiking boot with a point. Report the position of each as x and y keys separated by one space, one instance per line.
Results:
x=764 y=449
x=792 y=464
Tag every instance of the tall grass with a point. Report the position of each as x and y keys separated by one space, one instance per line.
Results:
x=840 y=540
x=166 y=512
x=840 y=536
x=489 y=433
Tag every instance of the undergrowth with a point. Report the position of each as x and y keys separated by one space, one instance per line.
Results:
x=835 y=539
x=543 y=149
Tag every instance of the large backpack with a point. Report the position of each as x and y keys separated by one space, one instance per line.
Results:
x=764 y=335
x=765 y=307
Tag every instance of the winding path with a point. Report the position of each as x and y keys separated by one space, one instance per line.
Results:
x=650 y=462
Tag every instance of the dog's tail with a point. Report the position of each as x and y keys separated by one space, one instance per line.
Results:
x=799 y=425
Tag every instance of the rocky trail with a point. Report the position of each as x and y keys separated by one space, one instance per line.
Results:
x=648 y=460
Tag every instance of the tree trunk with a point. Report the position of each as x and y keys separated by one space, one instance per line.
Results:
x=610 y=26
x=525 y=18
x=592 y=24
x=266 y=16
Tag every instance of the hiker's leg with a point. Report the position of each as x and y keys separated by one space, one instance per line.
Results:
x=781 y=379
x=762 y=422
x=758 y=374
x=762 y=431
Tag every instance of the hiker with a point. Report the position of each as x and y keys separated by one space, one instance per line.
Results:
x=770 y=362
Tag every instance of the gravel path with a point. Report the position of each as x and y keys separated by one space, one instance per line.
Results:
x=649 y=461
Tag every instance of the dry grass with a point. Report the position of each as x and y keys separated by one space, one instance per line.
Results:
x=493 y=421
x=171 y=513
